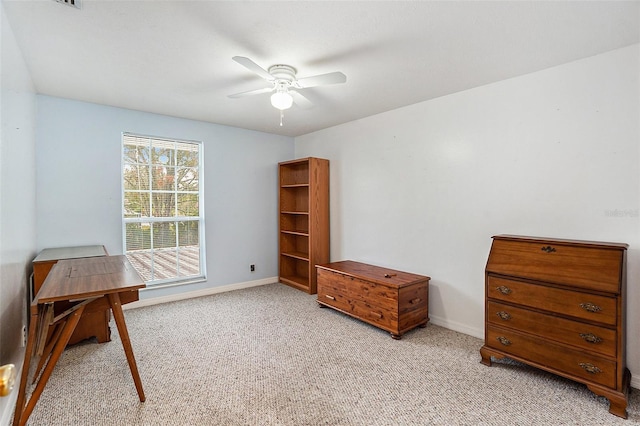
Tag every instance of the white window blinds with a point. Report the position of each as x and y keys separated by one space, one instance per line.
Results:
x=162 y=208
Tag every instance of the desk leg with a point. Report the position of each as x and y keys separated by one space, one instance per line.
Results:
x=118 y=316
x=67 y=331
x=28 y=353
x=57 y=330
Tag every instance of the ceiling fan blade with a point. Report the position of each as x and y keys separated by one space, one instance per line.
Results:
x=252 y=66
x=300 y=100
x=251 y=92
x=322 y=79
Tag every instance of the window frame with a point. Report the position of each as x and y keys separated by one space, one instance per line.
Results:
x=200 y=219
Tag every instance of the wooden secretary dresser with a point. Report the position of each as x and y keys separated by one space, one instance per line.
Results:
x=559 y=305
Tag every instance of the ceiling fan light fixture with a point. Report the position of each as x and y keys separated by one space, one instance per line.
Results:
x=282 y=100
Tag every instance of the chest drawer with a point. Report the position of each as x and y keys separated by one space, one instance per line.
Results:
x=576 y=304
x=554 y=356
x=582 y=335
x=368 y=301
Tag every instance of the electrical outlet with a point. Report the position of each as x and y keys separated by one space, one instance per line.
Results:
x=253 y=268
x=24 y=336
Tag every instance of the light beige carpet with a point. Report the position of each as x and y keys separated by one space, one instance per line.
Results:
x=270 y=356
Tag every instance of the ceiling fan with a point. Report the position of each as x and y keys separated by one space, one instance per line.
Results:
x=285 y=85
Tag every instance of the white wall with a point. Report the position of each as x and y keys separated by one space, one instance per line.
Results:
x=17 y=201
x=78 y=163
x=553 y=153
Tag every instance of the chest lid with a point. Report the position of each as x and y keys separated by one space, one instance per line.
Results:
x=375 y=274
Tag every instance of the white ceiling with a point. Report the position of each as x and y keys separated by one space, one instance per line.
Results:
x=174 y=57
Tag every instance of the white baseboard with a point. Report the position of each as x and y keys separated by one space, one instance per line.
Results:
x=198 y=293
x=456 y=326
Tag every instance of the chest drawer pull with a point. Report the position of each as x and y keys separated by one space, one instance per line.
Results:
x=503 y=340
x=548 y=249
x=377 y=314
x=590 y=337
x=504 y=315
x=329 y=297
x=504 y=289
x=590 y=307
x=414 y=301
x=590 y=368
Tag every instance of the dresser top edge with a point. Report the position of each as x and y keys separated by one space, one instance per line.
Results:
x=595 y=244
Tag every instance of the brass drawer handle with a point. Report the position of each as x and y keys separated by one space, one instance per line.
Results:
x=590 y=368
x=548 y=249
x=588 y=306
x=504 y=315
x=377 y=314
x=503 y=340
x=389 y=275
x=590 y=337
x=414 y=301
x=503 y=289
x=329 y=297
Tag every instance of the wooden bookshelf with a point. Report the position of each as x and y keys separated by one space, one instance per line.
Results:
x=304 y=221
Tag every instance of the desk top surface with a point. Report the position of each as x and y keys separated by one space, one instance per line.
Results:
x=59 y=253
x=88 y=277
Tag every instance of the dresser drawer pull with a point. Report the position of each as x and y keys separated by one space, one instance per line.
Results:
x=389 y=275
x=504 y=290
x=377 y=314
x=548 y=249
x=590 y=337
x=329 y=297
x=503 y=340
x=414 y=301
x=588 y=306
x=504 y=315
x=590 y=368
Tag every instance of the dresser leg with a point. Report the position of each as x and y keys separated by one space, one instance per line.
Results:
x=617 y=400
x=396 y=336
x=486 y=355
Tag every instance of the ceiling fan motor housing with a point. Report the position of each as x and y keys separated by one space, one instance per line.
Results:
x=283 y=72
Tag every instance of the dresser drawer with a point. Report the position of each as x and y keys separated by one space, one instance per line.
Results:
x=577 y=304
x=561 y=358
x=582 y=335
x=588 y=266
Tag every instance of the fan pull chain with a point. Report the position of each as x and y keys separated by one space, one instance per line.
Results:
x=281 y=117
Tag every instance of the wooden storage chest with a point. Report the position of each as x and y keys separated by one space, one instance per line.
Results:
x=392 y=300
x=559 y=305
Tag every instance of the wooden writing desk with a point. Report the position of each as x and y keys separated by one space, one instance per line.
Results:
x=92 y=324
x=92 y=284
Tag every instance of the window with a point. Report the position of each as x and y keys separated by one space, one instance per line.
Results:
x=163 y=208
